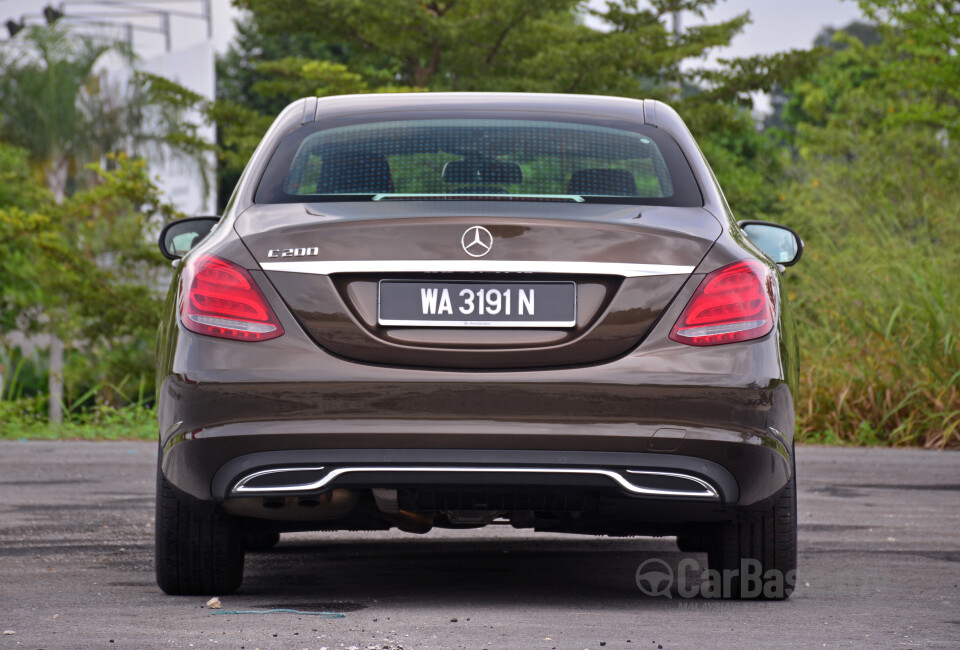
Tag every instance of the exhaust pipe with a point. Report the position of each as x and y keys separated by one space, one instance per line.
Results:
x=408 y=522
x=328 y=505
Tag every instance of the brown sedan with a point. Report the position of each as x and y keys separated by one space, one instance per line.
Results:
x=452 y=310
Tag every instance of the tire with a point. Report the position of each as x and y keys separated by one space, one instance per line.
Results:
x=199 y=550
x=261 y=541
x=760 y=544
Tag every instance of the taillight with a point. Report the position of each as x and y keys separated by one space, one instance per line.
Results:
x=733 y=303
x=221 y=299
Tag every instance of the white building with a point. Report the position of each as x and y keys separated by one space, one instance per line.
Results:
x=177 y=39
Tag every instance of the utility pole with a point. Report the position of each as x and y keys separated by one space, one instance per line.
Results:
x=55 y=381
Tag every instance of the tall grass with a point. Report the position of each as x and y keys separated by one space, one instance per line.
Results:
x=879 y=296
x=106 y=410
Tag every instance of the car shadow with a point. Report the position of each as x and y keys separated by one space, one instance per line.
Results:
x=593 y=573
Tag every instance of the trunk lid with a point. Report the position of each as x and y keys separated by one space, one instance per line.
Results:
x=327 y=262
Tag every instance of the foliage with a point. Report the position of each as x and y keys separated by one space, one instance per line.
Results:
x=26 y=419
x=922 y=67
x=22 y=374
x=86 y=271
x=874 y=193
x=878 y=298
x=504 y=45
x=23 y=403
x=77 y=262
x=749 y=165
x=42 y=90
x=28 y=238
x=18 y=186
x=238 y=70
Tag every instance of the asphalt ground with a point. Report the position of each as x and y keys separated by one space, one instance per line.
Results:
x=879 y=567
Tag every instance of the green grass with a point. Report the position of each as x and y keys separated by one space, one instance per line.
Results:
x=104 y=411
x=25 y=419
x=878 y=299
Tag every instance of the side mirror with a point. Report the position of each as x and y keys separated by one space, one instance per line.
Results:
x=178 y=237
x=779 y=243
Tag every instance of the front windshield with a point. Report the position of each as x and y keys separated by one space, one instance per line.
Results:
x=478 y=159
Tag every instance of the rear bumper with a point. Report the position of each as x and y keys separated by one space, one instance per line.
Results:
x=632 y=459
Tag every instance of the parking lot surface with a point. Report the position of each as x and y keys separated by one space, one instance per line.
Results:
x=879 y=567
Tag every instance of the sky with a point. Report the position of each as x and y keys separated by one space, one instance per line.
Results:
x=779 y=25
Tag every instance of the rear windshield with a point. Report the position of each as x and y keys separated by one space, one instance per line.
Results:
x=479 y=158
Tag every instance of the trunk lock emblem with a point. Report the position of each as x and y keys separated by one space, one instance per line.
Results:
x=477 y=241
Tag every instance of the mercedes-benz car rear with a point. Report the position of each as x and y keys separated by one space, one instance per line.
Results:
x=449 y=310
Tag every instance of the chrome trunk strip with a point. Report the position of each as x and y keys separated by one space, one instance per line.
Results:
x=707 y=491
x=476 y=266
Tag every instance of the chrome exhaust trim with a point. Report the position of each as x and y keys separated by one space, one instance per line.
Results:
x=699 y=488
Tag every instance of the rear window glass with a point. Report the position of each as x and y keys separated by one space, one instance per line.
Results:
x=479 y=159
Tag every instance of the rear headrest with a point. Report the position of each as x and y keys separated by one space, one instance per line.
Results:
x=602 y=182
x=459 y=171
x=489 y=171
x=354 y=172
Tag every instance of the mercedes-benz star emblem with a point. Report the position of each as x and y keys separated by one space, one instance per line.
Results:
x=477 y=241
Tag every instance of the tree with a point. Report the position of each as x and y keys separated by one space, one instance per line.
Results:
x=906 y=80
x=42 y=88
x=83 y=270
x=64 y=114
x=23 y=249
x=569 y=46
x=866 y=33
x=508 y=45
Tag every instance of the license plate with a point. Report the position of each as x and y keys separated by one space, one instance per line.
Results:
x=424 y=303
